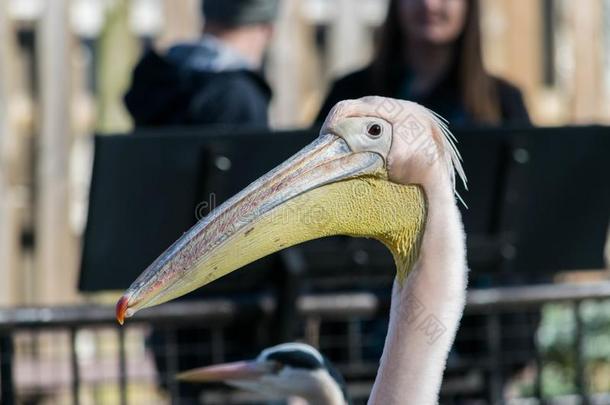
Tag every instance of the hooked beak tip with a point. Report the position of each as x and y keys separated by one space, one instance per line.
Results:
x=121 y=309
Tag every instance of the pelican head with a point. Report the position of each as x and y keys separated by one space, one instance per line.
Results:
x=361 y=177
x=286 y=370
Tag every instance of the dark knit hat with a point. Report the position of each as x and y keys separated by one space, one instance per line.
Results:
x=240 y=12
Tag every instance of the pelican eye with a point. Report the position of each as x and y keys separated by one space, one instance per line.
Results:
x=374 y=130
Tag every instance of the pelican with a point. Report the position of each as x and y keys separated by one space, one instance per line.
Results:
x=380 y=168
x=286 y=370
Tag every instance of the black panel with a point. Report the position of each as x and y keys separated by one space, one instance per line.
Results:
x=142 y=198
x=148 y=189
x=564 y=193
x=484 y=155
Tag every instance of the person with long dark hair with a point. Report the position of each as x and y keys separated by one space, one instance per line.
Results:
x=429 y=51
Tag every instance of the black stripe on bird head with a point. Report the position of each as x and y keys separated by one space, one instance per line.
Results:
x=296 y=359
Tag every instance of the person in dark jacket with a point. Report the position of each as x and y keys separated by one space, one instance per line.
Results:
x=214 y=81
x=430 y=52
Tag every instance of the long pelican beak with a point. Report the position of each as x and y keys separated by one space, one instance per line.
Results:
x=325 y=189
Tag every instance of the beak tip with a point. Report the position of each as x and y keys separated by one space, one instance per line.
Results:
x=121 y=309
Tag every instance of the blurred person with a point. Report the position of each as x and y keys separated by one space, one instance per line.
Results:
x=216 y=80
x=429 y=51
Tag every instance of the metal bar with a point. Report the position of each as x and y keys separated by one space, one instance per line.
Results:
x=532 y=296
x=580 y=366
x=325 y=305
x=171 y=357
x=122 y=367
x=74 y=368
x=287 y=292
x=7 y=389
x=538 y=383
x=549 y=26
x=494 y=347
x=354 y=341
x=74 y=316
x=312 y=330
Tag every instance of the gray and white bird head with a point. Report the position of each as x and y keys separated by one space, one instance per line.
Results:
x=286 y=370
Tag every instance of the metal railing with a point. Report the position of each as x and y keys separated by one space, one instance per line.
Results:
x=312 y=309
